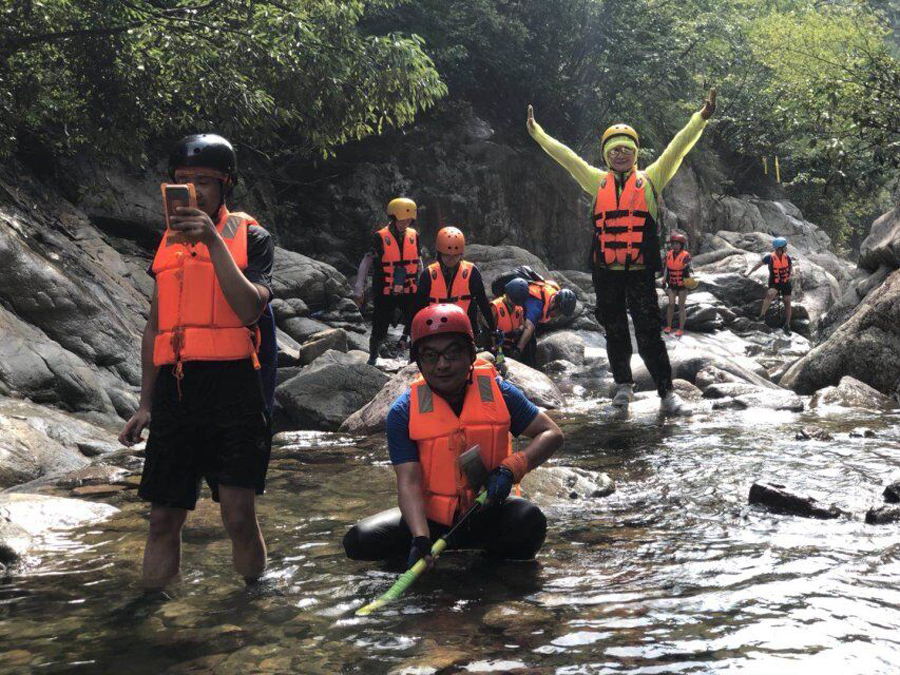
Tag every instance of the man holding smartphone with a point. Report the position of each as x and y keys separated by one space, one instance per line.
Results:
x=202 y=392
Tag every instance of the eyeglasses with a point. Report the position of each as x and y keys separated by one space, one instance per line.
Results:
x=453 y=353
x=621 y=151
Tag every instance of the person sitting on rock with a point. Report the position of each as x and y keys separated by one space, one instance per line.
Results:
x=781 y=270
x=540 y=302
x=625 y=250
x=456 y=403
x=395 y=247
x=678 y=269
x=453 y=280
x=202 y=395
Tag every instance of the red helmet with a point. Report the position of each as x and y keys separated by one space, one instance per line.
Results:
x=441 y=319
x=680 y=238
x=451 y=241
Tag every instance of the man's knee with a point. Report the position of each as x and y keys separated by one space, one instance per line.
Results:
x=166 y=522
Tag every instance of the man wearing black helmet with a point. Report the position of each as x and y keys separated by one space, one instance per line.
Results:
x=202 y=394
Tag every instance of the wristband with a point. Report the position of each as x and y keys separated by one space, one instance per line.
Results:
x=517 y=463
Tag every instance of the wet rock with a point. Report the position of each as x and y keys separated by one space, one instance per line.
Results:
x=883 y=515
x=91 y=475
x=686 y=390
x=567 y=483
x=560 y=345
x=536 y=386
x=868 y=433
x=777 y=498
x=728 y=389
x=866 y=347
x=433 y=659
x=812 y=434
x=371 y=418
x=26 y=517
x=892 y=493
x=851 y=393
x=771 y=399
x=517 y=617
x=97 y=490
x=561 y=370
x=319 y=343
x=711 y=375
x=324 y=398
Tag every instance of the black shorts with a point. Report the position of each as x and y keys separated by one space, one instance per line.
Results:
x=677 y=289
x=783 y=289
x=199 y=437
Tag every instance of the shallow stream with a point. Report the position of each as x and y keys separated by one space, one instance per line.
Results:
x=672 y=573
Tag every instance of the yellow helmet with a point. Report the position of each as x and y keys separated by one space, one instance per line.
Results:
x=620 y=130
x=402 y=208
x=691 y=283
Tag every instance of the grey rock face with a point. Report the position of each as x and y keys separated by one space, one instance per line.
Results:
x=851 y=393
x=324 y=397
x=882 y=246
x=560 y=345
x=871 y=337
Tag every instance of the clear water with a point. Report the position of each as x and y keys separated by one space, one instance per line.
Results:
x=673 y=573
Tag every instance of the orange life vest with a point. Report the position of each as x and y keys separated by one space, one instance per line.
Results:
x=392 y=257
x=781 y=268
x=460 y=294
x=675 y=265
x=195 y=321
x=441 y=437
x=505 y=320
x=544 y=291
x=620 y=220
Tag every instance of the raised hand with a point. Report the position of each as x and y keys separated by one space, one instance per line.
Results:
x=709 y=106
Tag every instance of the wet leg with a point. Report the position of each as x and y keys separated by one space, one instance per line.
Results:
x=644 y=309
x=248 y=549
x=162 y=554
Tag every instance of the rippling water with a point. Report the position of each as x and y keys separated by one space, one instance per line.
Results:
x=673 y=573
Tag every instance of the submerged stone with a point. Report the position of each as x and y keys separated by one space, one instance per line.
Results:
x=892 y=493
x=883 y=515
x=776 y=498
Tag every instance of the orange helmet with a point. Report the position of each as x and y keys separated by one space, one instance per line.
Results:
x=451 y=241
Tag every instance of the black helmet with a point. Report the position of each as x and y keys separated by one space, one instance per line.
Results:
x=567 y=302
x=204 y=150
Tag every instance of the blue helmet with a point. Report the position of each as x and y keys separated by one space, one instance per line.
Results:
x=566 y=302
x=517 y=290
x=779 y=242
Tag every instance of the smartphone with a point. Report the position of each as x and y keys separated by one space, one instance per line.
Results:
x=175 y=196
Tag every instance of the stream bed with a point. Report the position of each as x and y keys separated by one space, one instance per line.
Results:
x=672 y=573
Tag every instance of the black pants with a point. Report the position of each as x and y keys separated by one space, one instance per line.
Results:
x=514 y=530
x=384 y=307
x=634 y=291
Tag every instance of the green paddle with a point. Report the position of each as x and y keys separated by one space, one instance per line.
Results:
x=414 y=572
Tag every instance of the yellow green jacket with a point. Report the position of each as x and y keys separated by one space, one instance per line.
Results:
x=659 y=173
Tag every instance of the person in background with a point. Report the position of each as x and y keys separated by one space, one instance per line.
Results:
x=540 y=302
x=453 y=280
x=781 y=273
x=395 y=252
x=678 y=269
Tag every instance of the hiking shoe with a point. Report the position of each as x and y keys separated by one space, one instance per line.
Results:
x=679 y=333
x=624 y=395
x=672 y=404
x=787 y=329
x=667 y=329
x=372 y=360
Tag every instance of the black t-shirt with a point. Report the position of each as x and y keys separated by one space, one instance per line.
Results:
x=224 y=385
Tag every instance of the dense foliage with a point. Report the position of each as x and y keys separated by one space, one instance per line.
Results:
x=114 y=73
x=815 y=83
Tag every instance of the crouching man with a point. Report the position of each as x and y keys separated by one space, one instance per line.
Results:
x=457 y=402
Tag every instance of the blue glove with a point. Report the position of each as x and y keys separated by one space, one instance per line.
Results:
x=499 y=483
x=421 y=547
